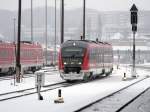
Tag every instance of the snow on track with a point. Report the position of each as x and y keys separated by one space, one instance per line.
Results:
x=116 y=101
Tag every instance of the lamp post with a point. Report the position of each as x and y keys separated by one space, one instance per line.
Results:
x=18 y=65
x=31 y=21
x=62 y=21
x=55 y=33
x=84 y=19
x=14 y=20
x=134 y=21
x=118 y=52
x=14 y=40
x=46 y=31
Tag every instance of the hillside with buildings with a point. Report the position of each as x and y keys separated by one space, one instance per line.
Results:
x=106 y=26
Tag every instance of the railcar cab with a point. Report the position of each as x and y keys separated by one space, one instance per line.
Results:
x=83 y=59
x=72 y=53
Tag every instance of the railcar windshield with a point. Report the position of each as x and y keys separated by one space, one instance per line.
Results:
x=72 y=52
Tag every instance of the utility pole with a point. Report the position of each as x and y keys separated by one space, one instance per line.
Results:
x=134 y=21
x=99 y=28
x=55 y=32
x=31 y=21
x=118 y=52
x=14 y=20
x=46 y=30
x=14 y=40
x=62 y=21
x=84 y=19
x=89 y=29
x=18 y=65
x=139 y=52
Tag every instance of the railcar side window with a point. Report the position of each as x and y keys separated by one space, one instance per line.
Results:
x=3 y=53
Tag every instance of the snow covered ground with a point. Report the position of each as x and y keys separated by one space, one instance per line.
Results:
x=51 y=77
x=145 y=65
x=74 y=97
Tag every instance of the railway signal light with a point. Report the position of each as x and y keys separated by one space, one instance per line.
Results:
x=134 y=16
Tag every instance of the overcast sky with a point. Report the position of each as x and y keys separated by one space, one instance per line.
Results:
x=101 y=5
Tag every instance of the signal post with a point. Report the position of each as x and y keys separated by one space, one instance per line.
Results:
x=134 y=21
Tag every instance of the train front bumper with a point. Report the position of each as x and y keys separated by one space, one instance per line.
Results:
x=72 y=76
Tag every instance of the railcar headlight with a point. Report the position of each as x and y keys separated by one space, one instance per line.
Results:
x=79 y=63
x=65 y=63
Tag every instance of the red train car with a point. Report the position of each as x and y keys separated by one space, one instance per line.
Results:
x=83 y=59
x=31 y=56
x=51 y=57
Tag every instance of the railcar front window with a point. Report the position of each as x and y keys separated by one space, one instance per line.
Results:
x=72 y=52
x=72 y=56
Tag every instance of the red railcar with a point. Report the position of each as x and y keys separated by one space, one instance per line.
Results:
x=83 y=59
x=31 y=56
x=51 y=56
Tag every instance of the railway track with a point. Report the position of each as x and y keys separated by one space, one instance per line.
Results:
x=5 y=78
x=12 y=77
x=117 y=101
x=29 y=91
x=2 y=78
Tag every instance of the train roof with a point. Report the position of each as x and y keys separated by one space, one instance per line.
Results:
x=88 y=41
x=83 y=43
x=75 y=43
x=6 y=42
x=23 y=44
